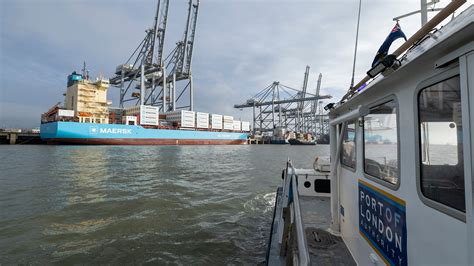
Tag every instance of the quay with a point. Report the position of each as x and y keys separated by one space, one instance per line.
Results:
x=18 y=137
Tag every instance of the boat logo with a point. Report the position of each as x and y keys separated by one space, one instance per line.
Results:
x=115 y=131
x=96 y=130
x=93 y=130
x=382 y=222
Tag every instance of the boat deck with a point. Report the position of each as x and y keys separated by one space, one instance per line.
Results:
x=324 y=248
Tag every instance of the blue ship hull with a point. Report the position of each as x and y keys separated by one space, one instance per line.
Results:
x=112 y=134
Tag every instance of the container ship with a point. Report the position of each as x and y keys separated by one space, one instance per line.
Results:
x=87 y=118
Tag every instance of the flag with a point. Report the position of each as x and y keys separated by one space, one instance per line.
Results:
x=396 y=33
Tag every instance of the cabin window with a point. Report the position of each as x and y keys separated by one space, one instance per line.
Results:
x=348 y=151
x=381 y=142
x=441 y=153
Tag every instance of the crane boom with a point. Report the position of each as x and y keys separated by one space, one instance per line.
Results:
x=190 y=42
x=298 y=100
x=157 y=32
x=153 y=31
x=161 y=30
x=185 y=39
x=318 y=87
x=181 y=57
x=305 y=86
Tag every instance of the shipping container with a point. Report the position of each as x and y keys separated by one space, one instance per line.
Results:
x=132 y=110
x=228 y=122
x=245 y=126
x=227 y=119
x=129 y=120
x=237 y=125
x=148 y=115
x=117 y=111
x=202 y=120
x=115 y=115
x=228 y=126
x=216 y=121
x=183 y=117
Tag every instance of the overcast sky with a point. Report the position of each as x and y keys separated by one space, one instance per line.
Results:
x=241 y=46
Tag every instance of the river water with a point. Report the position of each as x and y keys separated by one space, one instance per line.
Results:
x=140 y=204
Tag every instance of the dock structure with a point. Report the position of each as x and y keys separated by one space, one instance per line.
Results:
x=18 y=137
x=280 y=106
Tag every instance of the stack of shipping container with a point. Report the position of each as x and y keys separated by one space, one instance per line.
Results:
x=202 y=120
x=228 y=122
x=182 y=118
x=245 y=126
x=115 y=115
x=149 y=116
x=216 y=121
x=145 y=114
x=237 y=125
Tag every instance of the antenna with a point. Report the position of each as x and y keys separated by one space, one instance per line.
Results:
x=355 y=49
x=85 y=72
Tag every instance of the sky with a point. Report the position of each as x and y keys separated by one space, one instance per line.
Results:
x=241 y=46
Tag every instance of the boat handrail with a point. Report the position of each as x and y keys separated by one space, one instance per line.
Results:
x=291 y=195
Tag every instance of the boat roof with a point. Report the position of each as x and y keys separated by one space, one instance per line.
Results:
x=459 y=31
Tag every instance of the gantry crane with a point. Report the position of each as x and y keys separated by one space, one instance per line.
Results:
x=279 y=105
x=143 y=71
x=178 y=65
x=147 y=77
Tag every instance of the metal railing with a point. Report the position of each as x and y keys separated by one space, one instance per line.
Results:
x=291 y=201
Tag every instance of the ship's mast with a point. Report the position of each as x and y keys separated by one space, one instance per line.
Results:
x=85 y=72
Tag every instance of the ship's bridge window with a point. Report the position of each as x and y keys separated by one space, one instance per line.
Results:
x=441 y=153
x=348 y=152
x=381 y=142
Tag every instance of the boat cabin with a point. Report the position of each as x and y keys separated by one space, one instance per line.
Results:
x=400 y=186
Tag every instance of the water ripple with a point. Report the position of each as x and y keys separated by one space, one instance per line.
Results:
x=138 y=205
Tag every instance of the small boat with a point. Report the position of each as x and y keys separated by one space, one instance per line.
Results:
x=301 y=142
x=400 y=186
x=279 y=141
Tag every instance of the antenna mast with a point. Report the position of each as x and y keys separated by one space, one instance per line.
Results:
x=355 y=49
